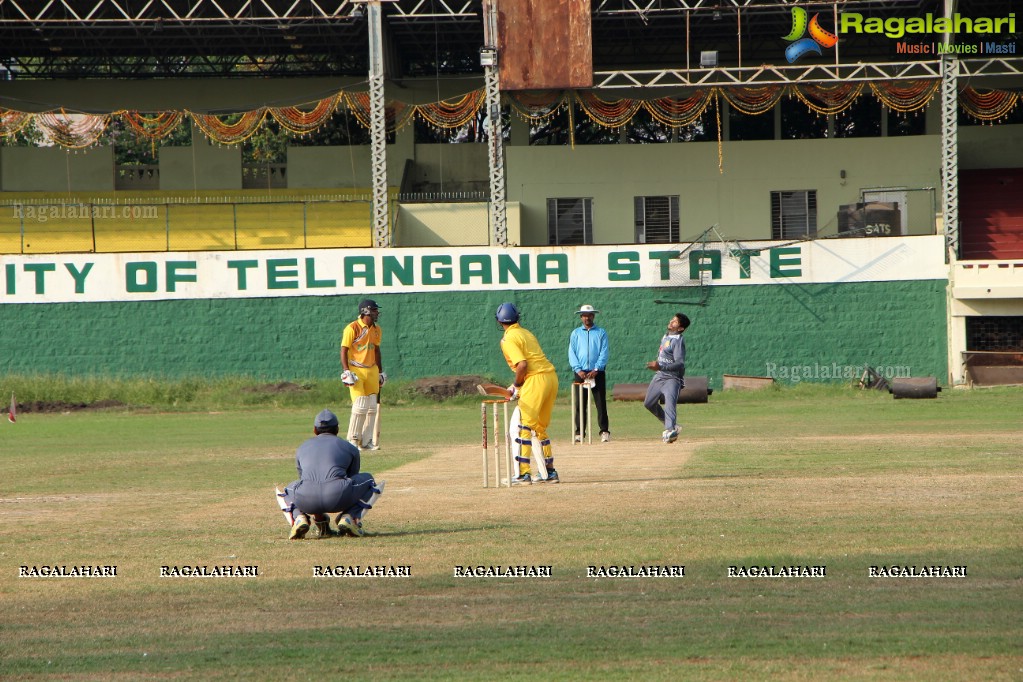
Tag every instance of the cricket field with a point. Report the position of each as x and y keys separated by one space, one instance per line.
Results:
x=795 y=534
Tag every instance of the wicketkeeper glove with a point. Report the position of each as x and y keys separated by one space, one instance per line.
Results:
x=383 y=378
x=348 y=378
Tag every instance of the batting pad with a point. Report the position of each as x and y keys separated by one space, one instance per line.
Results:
x=361 y=414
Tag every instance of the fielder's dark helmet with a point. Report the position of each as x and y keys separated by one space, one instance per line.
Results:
x=366 y=306
x=507 y=313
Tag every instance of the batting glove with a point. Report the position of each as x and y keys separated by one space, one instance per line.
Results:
x=383 y=378
x=513 y=390
x=348 y=378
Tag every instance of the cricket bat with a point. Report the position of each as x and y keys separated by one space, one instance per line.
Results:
x=492 y=390
x=376 y=426
x=289 y=518
x=376 y=421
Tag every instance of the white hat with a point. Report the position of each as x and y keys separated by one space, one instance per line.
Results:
x=586 y=309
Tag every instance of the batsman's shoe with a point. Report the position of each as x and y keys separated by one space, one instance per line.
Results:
x=300 y=527
x=522 y=479
x=552 y=476
x=605 y=437
x=371 y=446
x=673 y=435
x=347 y=525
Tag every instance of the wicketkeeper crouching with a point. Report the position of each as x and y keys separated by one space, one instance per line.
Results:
x=329 y=482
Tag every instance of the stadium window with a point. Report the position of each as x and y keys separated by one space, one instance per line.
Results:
x=570 y=221
x=861 y=119
x=794 y=214
x=750 y=126
x=657 y=219
x=799 y=123
x=554 y=130
x=643 y=128
x=703 y=129
x=1013 y=116
x=901 y=125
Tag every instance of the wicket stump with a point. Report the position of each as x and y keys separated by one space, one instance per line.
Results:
x=494 y=448
x=583 y=423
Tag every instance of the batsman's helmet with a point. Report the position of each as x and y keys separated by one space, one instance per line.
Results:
x=507 y=313
x=366 y=306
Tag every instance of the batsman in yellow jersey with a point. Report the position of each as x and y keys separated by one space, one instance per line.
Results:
x=535 y=386
x=363 y=373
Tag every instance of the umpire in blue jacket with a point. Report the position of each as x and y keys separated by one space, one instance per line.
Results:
x=588 y=352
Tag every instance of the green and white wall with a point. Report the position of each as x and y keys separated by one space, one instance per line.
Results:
x=806 y=312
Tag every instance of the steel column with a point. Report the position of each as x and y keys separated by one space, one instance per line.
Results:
x=378 y=126
x=495 y=127
x=950 y=151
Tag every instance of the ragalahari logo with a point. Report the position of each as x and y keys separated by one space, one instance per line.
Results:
x=818 y=36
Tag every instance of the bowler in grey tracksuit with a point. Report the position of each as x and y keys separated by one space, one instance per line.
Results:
x=669 y=376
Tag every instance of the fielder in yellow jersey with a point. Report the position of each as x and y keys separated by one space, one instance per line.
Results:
x=363 y=373
x=536 y=385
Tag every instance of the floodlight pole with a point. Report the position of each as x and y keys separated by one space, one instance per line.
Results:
x=495 y=128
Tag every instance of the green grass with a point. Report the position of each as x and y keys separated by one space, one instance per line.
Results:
x=194 y=393
x=809 y=475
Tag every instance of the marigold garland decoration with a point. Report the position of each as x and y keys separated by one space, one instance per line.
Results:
x=537 y=106
x=905 y=97
x=301 y=122
x=12 y=122
x=609 y=114
x=74 y=130
x=828 y=100
x=675 y=112
x=988 y=106
x=449 y=114
x=397 y=114
x=230 y=133
x=152 y=127
x=753 y=101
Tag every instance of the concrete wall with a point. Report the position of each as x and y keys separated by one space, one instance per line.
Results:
x=337 y=167
x=990 y=147
x=467 y=224
x=452 y=167
x=445 y=167
x=27 y=169
x=200 y=166
x=737 y=199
